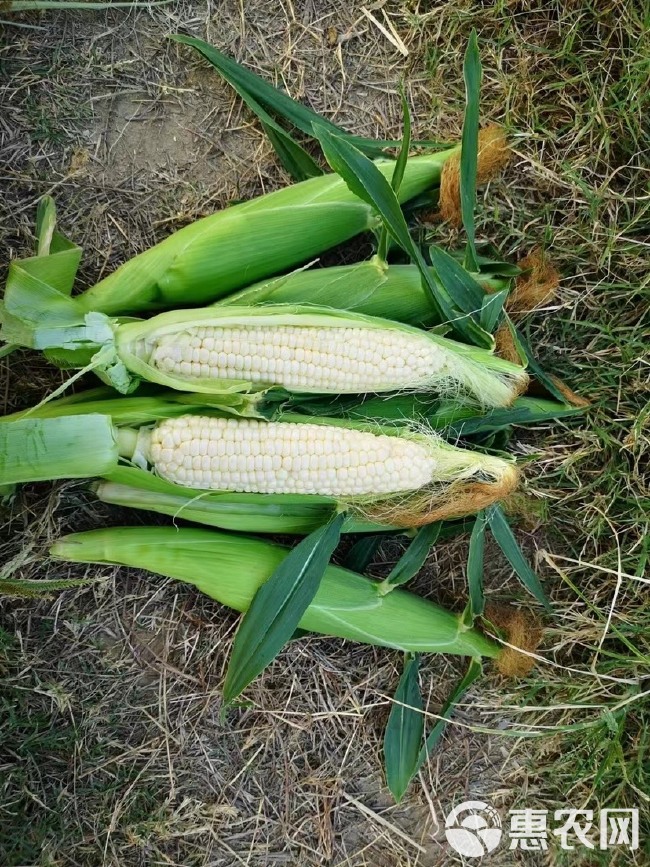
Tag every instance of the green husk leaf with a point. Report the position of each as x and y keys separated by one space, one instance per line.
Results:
x=231 y=568
x=72 y=447
x=475 y=566
x=502 y=532
x=255 y=91
x=135 y=488
x=413 y=558
x=403 y=736
x=278 y=607
x=366 y=182
x=469 y=151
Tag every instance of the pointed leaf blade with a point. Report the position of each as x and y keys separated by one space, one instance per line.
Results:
x=415 y=555
x=475 y=566
x=469 y=149
x=474 y=671
x=278 y=607
x=505 y=538
x=403 y=736
x=366 y=181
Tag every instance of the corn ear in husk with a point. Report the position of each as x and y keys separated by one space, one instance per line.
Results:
x=232 y=568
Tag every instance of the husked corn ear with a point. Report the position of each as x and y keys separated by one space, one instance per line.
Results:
x=309 y=350
x=328 y=360
x=251 y=456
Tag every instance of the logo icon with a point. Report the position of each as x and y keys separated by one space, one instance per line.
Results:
x=473 y=829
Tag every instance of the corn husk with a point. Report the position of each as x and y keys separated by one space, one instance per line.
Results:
x=232 y=568
x=249 y=241
x=374 y=288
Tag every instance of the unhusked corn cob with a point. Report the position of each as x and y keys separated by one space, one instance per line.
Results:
x=282 y=457
x=327 y=360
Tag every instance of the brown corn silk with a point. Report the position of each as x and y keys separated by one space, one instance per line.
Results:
x=523 y=632
x=460 y=499
x=493 y=155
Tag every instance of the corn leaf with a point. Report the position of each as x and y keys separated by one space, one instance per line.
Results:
x=524 y=411
x=278 y=607
x=403 y=736
x=414 y=557
x=474 y=671
x=294 y=158
x=366 y=181
x=535 y=367
x=361 y=553
x=502 y=532
x=398 y=174
x=400 y=165
x=257 y=92
x=469 y=149
x=491 y=310
x=464 y=291
x=475 y=566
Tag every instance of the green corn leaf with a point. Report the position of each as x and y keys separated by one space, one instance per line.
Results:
x=524 y=411
x=366 y=181
x=403 y=736
x=492 y=309
x=464 y=291
x=534 y=366
x=490 y=265
x=400 y=165
x=413 y=558
x=469 y=152
x=293 y=157
x=398 y=173
x=361 y=553
x=474 y=671
x=475 y=566
x=254 y=89
x=278 y=607
x=502 y=532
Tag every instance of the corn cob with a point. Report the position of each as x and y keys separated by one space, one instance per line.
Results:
x=231 y=569
x=391 y=476
x=307 y=350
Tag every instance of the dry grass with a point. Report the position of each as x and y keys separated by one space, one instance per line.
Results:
x=113 y=751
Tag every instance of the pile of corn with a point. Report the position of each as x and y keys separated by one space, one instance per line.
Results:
x=230 y=415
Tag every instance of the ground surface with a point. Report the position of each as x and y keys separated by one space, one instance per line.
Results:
x=112 y=749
